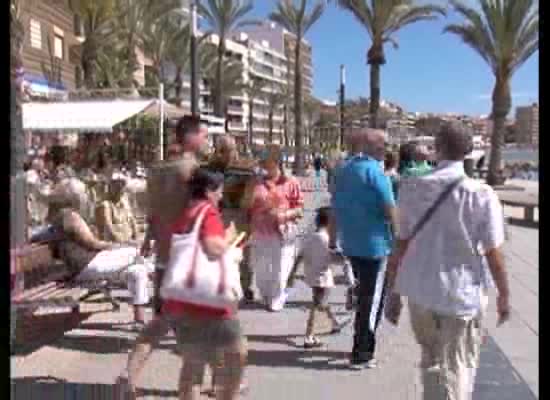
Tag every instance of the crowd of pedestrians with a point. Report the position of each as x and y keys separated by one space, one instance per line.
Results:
x=398 y=225
x=438 y=246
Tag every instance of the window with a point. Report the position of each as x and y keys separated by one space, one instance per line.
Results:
x=58 y=46
x=36 y=34
x=58 y=43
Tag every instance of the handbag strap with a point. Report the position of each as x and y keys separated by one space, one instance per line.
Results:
x=201 y=213
x=191 y=278
x=430 y=212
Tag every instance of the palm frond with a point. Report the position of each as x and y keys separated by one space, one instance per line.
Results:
x=410 y=14
x=313 y=16
x=475 y=40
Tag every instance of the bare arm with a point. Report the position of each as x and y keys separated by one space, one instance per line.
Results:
x=391 y=214
x=72 y=222
x=105 y=223
x=500 y=276
x=215 y=246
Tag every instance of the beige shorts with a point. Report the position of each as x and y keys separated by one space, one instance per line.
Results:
x=207 y=342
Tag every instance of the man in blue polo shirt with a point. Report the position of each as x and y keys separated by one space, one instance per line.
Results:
x=364 y=209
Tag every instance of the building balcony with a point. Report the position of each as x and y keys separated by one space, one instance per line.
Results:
x=236 y=126
x=236 y=110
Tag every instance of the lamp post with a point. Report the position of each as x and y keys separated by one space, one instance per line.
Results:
x=194 y=61
x=342 y=98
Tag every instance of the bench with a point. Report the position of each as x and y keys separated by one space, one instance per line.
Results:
x=527 y=201
x=48 y=285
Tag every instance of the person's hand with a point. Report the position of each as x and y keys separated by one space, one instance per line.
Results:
x=392 y=311
x=146 y=249
x=231 y=232
x=503 y=309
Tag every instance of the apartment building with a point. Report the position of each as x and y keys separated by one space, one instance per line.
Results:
x=527 y=124
x=51 y=57
x=270 y=66
x=285 y=42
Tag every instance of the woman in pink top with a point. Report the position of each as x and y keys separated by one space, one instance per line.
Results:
x=275 y=204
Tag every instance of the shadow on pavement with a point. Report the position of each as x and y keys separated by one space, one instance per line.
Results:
x=279 y=339
x=35 y=331
x=306 y=359
x=101 y=344
x=497 y=379
x=49 y=388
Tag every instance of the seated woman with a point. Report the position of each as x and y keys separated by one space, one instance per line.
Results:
x=90 y=258
x=114 y=218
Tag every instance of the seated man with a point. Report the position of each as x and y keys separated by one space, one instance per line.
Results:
x=114 y=218
x=90 y=258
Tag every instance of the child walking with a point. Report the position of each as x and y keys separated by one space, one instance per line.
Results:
x=319 y=276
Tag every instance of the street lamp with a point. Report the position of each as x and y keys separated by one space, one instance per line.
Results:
x=342 y=98
x=194 y=60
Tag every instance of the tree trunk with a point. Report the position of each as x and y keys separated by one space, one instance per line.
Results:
x=250 y=123
x=270 y=126
x=89 y=69
x=298 y=158
x=285 y=126
x=178 y=82
x=502 y=102
x=218 y=101
x=374 y=103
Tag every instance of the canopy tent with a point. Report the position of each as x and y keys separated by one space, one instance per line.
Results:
x=170 y=110
x=81 y=116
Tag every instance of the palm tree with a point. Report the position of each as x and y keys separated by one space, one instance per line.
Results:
x=224 y=17
x=254 y=90
x=166 y=39
x=382 y=19
x=311 y=113
x=505 y=33
x=275 y=99
x=112 y=72
x=99 y=18
x=295 y=19
x=138 y=16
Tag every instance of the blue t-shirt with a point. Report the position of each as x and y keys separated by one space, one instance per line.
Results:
x=362 y=192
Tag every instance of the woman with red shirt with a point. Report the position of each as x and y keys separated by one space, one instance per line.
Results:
x=207 y=335
x=275 y=204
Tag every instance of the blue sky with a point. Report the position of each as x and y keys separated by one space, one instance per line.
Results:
x=430 y=72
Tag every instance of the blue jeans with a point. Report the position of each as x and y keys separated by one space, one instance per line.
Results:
x=370 y=274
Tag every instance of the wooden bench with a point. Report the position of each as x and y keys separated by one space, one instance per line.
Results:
x=527 y=201
x=48 y=285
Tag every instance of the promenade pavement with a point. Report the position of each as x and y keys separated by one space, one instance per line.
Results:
x=84 y=363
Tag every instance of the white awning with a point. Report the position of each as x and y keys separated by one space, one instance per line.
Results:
x=81 y=116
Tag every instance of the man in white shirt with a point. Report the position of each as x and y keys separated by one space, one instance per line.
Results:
x=440 y=266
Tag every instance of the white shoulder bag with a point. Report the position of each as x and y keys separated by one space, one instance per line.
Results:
x=191 y=277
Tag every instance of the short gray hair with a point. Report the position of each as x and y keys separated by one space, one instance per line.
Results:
x=70 y=192
x=454 y=141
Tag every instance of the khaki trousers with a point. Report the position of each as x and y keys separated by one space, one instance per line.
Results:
x=450 y=349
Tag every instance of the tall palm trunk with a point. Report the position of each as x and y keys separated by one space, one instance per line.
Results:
x=270 y=126
x=375 y=58
x=178 y=82
x=374 y=103
x=250 y=124
x=218 y=101
x=502 y=102
x=284 y=139
x=298 y=162
x=89 y=67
